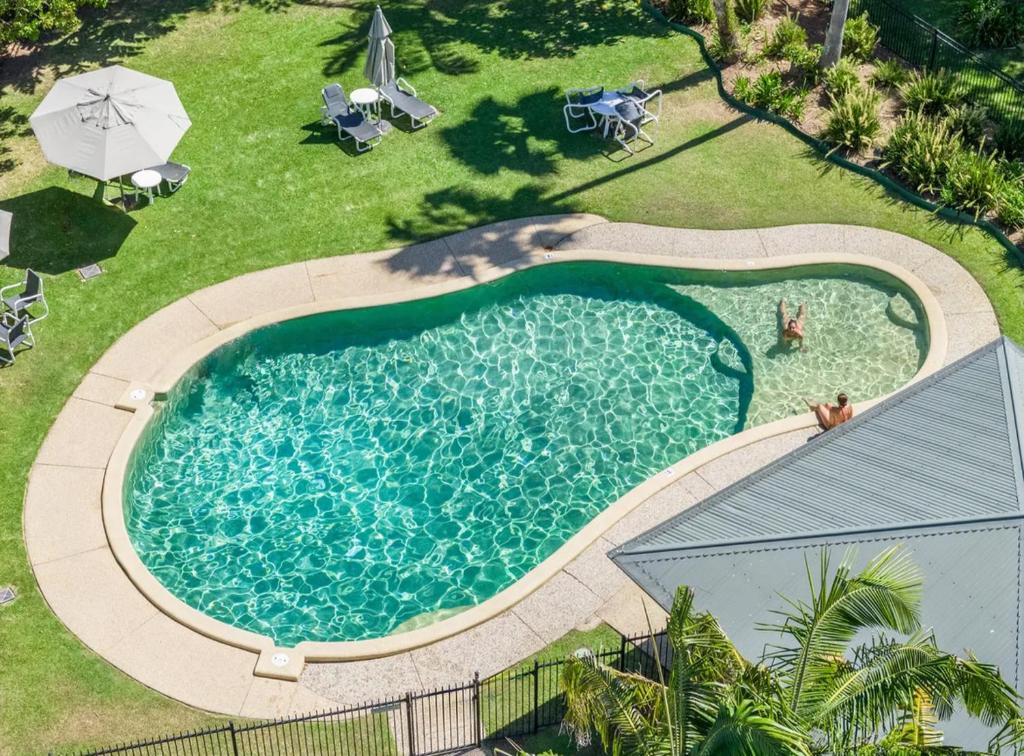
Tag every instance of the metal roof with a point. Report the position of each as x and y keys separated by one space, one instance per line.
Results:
x=936 y=467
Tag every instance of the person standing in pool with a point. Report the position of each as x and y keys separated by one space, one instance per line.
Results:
x=830 y=415
x=792 y=329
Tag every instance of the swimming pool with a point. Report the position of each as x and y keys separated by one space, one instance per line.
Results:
x=346 y=475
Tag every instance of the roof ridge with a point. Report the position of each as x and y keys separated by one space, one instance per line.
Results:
x=816 y=443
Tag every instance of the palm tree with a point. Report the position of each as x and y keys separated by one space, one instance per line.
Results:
x=813 y=692
x=833 y=50
x=725 y=18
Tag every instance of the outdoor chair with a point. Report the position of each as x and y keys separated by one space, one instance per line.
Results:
x=351 y=123
x=402 y=99
x=31 y=293
x=628 y=125
x=12 y=335
x=638 y=93
x=174 y=175
x=577 y=107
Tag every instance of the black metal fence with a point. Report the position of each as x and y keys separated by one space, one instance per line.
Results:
x=924 y=45
x=519 y=701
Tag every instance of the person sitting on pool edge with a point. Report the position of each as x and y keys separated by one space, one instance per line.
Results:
x=792 y=329
x=830 y=415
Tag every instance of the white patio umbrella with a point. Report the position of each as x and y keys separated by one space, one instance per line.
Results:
x=5 y=233
x=380 y=59
x=110 y=122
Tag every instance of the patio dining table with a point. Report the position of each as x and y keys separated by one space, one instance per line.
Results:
x=605 y=110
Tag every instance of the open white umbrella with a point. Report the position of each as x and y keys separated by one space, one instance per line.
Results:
x=380 y=59
x=110 y=122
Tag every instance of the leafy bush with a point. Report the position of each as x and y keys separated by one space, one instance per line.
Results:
x=769 y=92
x=1011 y=209
x=841 y=78
x=803 y=62
x=921 y=149
x=750 y=11
x=692 y=11
x=969 y=120
x=853 y=120
x=787 y=34
x=976 y=182
x=889 y=74
x=1010 y=140
x=931 y=93
x=992 y=23
x=860 y=37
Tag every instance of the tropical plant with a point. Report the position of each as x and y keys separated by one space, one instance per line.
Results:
x=921 y=149
x=889 y=74
x=976 y=182
x=833 y=49
x=803 y=63
x=27 y=20
x=992 y=23
x=853 y=120
x=1010 y=140
x=969 y=121
x=1011 y=209
x=933 y=93
x=750 y=11
x=726 y=26
x=841 y=78
x=860 y=37
x=691 y=11
x=814 y=691
x=787 y=34
x=770 y=92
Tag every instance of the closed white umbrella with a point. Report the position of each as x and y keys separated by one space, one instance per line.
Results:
x=110 y=122
x=380 y=59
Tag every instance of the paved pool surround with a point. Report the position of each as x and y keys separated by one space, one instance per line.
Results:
x=93 y=580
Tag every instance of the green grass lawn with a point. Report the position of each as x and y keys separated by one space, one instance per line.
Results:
x=270 y=187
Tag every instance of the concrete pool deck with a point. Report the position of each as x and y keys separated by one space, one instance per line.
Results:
x=81 y=575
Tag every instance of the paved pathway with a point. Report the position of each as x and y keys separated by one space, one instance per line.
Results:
x=90 y=593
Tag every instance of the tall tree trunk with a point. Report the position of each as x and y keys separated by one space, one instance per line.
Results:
x=726 y=25
x=834 y=36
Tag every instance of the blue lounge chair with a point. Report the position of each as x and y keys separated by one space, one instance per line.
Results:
x=402 y=99
x=350 y=122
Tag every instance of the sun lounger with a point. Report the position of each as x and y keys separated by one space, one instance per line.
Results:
x=401 y=97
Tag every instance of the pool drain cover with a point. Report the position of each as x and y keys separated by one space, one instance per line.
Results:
x=279 y=660
x=7 y=594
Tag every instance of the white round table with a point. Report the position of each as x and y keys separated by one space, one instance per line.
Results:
x=367 y=100
x=146 y=181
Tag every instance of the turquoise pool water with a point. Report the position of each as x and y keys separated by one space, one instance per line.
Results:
x=342 y=475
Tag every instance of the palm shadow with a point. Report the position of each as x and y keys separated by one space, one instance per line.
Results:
x=55 y=230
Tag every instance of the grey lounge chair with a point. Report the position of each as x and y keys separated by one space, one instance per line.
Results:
x=628 y=125
x=648 y=99
x=577 y=106
x=31 y=293
x=12 y=335
x=350 y=122
x=174 y=175
x=401 y=97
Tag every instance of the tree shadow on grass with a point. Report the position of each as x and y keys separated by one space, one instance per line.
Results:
x=55 y=230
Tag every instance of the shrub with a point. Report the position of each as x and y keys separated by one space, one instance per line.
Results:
x=803 y=62
x=750 y=11
x=1011 y=209
x=860 y=37
x=969 y=121
x=786 y=35
x=992 y=23
x=930 y=93
x=841 y=79
x=1010 y=140
x=921 y=149
x=889 y=74
x=853 y=120
x=975 y=182
x=769 y=92
x=692 y=11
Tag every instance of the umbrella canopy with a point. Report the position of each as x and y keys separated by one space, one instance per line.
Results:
x=110 y=122
x=5 y=233
x=380 y=60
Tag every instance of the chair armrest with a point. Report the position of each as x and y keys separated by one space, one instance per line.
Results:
x=403 y=84
x=9 y=287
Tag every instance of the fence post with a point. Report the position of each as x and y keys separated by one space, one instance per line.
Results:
x=536 y=696
x=935 y=48
x=234 y=740
x=477 y=717
x=410 y=723
x=622 y=653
